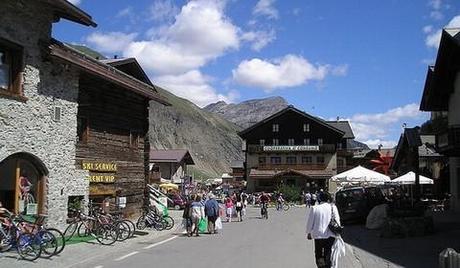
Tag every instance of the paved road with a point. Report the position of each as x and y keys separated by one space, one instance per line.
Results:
x=276 y=242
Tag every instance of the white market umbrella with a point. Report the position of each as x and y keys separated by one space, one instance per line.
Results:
x=363 y=175
x=409 y=178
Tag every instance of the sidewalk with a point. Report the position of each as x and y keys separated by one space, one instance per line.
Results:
x=76 y=254
x=370 y=250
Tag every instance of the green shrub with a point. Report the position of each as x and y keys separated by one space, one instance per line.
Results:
x=290 y=193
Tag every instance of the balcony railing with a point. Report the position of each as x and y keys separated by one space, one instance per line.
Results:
x=292 y=166
x=448 y=142
x=325 y=148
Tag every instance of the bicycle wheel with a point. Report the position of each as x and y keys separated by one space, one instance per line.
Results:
x=106 y=234
x=5 y=240
x=84 y=229
x=27 y=248
x=48 y=243
x=70 y=230
x=132 y=227
x=59 y=237
x=140 y=224
x=124 y=231
x=286 y=206
x=169 y=222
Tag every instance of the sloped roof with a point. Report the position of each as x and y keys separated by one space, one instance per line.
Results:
x=130 y=66
x=90 y=65
x=171 y=156
x=293 y=109
x=65 y=9
x=344 y=126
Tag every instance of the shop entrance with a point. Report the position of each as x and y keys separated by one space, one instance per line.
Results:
x=22 y=183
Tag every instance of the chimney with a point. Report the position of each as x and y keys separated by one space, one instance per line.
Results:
x=338 y=118
x=115 y=56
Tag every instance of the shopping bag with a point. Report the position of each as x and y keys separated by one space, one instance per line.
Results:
x=219 y=224
x=202 y=226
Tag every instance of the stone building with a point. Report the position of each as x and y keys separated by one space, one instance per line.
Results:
x=40 y=103
x=293 y=148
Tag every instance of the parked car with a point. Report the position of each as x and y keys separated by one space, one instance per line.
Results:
x=354 y=204
x=178 y=202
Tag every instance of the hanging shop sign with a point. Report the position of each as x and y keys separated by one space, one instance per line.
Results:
x=99 y=166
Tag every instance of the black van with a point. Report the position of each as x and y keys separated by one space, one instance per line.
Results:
x=354 y=204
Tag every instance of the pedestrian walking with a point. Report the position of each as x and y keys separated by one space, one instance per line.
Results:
x=308 y=199
x=229 y=208
x=211 y=210
x=187 y=216
x=313 y=199
x=197 y=211
x=244 y=197
x=239 y=207
x=318 y=222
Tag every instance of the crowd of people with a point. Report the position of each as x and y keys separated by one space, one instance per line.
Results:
x=205 y=207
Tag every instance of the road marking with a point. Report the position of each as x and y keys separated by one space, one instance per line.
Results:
x=99 y=266
x=126 y=256
x=159 y=243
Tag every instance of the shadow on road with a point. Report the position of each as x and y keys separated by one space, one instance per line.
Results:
x=407 y=252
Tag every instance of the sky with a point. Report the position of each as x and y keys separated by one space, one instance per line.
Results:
x=363 y=61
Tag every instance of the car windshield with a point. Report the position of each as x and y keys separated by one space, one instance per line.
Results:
x=350 y=195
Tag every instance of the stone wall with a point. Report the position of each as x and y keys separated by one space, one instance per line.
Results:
x=29 y=126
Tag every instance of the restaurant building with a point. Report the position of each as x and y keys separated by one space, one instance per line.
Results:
x=70 y=126
x=290 y=147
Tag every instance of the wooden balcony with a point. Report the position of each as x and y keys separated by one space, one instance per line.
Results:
x=325 y=148
x=448 y=141
x=292 y=166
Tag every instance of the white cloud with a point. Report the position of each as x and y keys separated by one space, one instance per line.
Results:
x=195 y=87
x=163 y=10
x=434 y=37
x=289 y=71
x=75 y=2
x=374 y=144
x=200 y=33
x=374 y=129
x=436 y=12
x=110 y=42
x=125 y=12
x=259 y=39
x=428 y=29
x=436 y=15
x=265 y=8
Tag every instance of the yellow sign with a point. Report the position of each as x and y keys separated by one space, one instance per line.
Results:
x=99 y=166
x=102 y=178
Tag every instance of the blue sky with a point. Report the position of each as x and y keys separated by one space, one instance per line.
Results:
x=364 y=62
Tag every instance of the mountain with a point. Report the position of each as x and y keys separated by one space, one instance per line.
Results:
x=249 y=112
x=212 y=141
x=354 y=144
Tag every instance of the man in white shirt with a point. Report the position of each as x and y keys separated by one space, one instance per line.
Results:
x=317 y=228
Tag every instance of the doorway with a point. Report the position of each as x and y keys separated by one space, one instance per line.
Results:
x=22 y=184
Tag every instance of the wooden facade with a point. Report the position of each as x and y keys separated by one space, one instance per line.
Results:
x=113 y=125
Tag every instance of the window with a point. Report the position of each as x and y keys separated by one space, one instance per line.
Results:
x=262 y=160
x=320 y=159
x=306 y=141
x=307 y=160
x=340 y=162
x=320 y=141
x=134 y=139
x=82 y=129
x=306 y=127
x=291 y=160
x=262 y=142
x=339 y=146
x=291 y=142
x=10 y=68
x=275 y=160
x=276 y=142
x=276 y=128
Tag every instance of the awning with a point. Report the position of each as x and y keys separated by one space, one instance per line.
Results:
x=361 y=174
x=409 y=178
